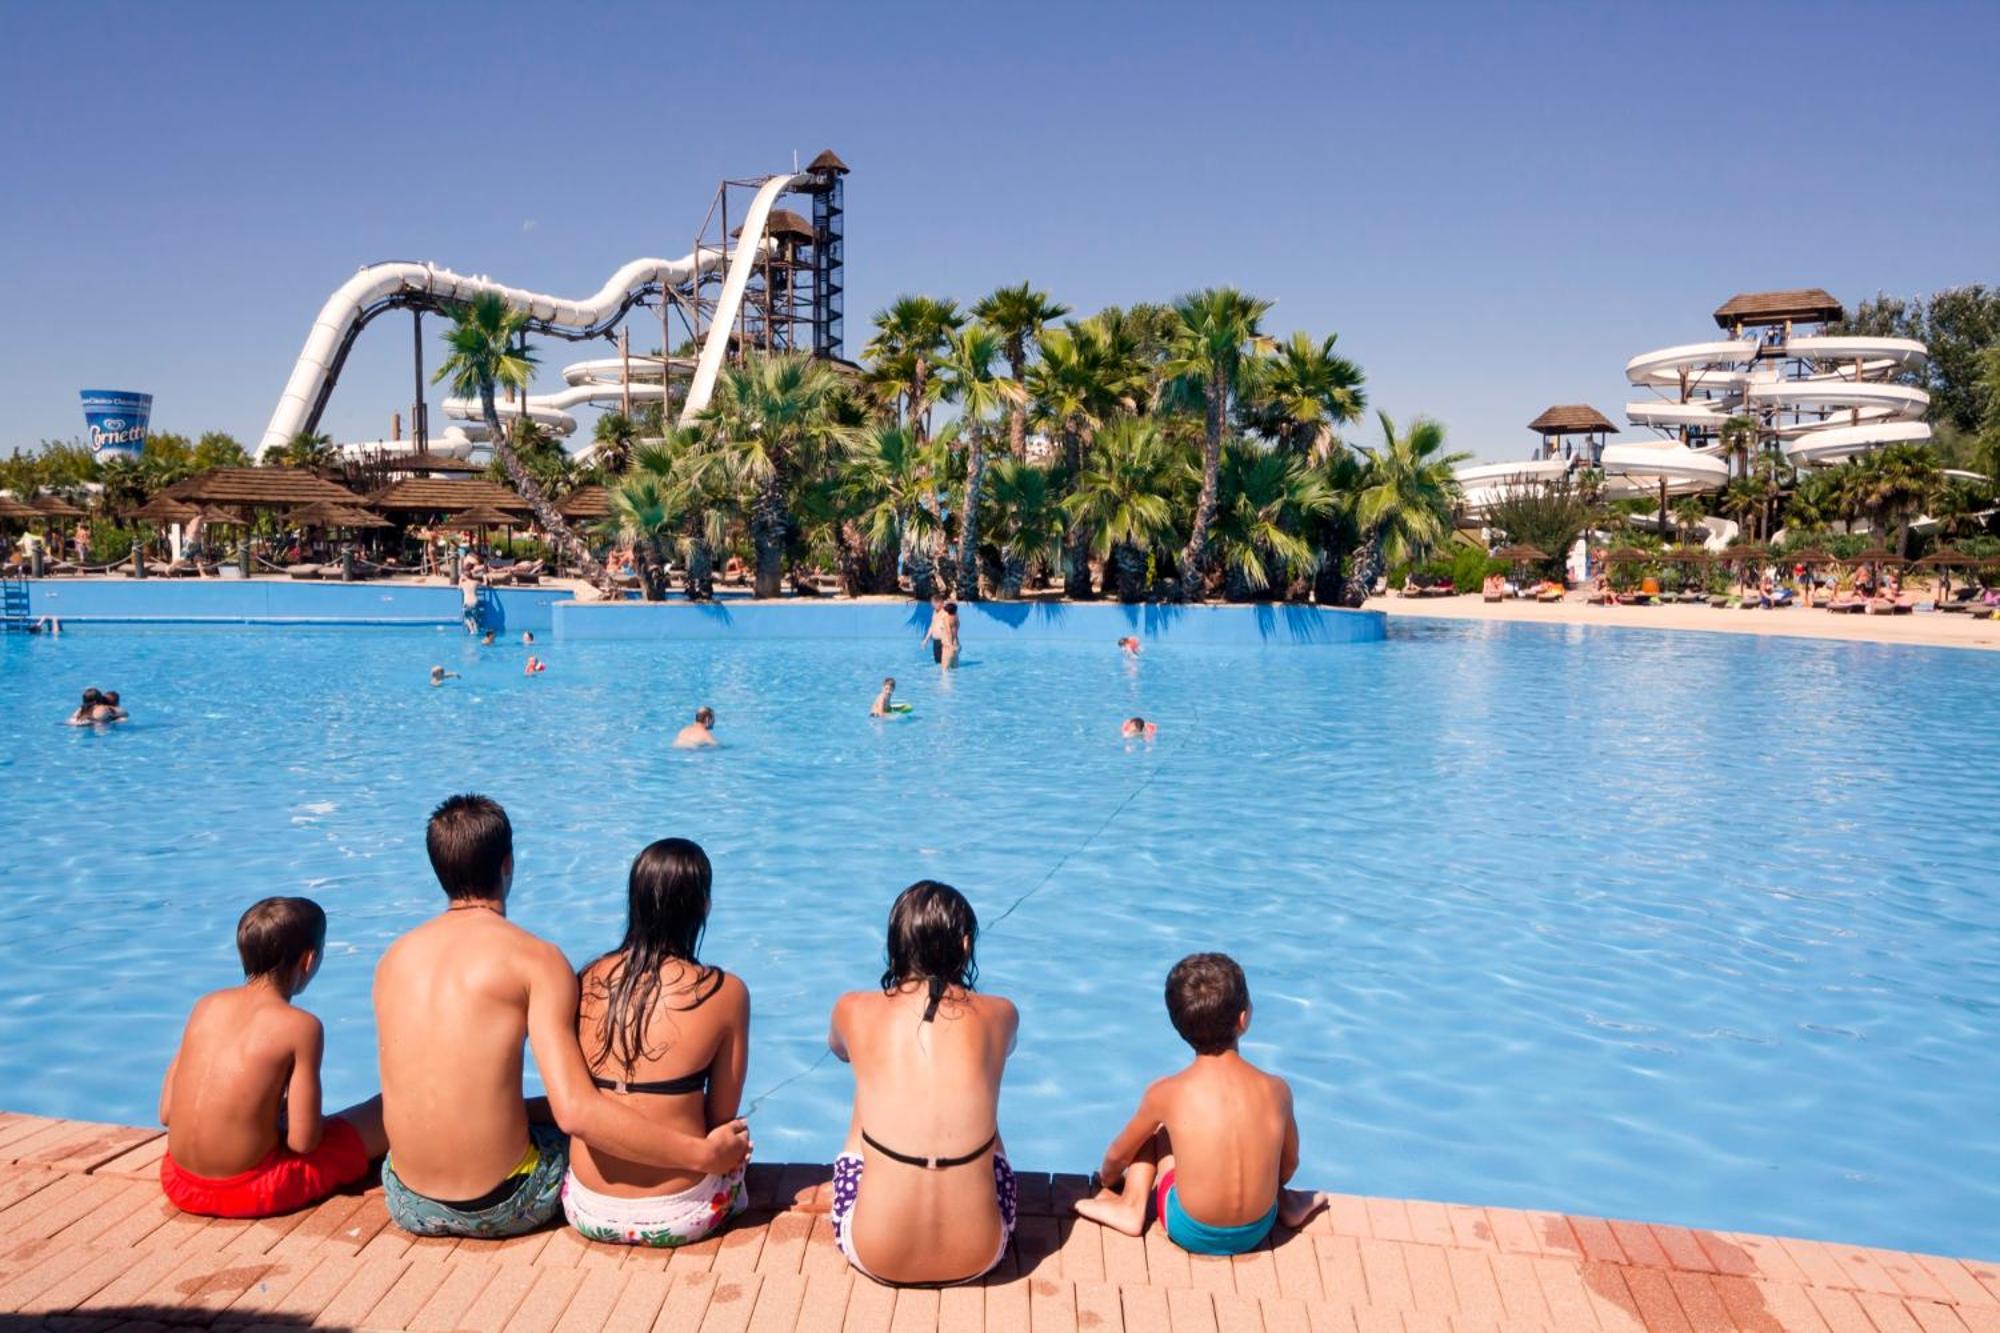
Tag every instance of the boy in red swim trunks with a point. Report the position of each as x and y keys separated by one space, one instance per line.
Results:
x=241 y=1099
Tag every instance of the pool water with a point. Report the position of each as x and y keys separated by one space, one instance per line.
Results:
x=1694 y=928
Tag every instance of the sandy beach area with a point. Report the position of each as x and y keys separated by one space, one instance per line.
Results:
x=1932 y=629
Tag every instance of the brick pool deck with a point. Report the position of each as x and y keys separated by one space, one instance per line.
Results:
x=87 y=1243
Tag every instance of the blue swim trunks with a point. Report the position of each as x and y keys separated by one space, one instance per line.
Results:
x=1201 y=1238
x=528 y=1198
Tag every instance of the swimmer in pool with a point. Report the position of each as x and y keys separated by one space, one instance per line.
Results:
x=108 y=708
x=486 y=639
x=1138 y=728
x=698 y=733
x=527 y=638
x=439 y=676
x=884 y=702
x=535 y=666
x=86 y=712
x=1130 y=645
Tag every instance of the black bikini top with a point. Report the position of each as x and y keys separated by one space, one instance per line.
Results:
x=665 y=1087
x=937 y=990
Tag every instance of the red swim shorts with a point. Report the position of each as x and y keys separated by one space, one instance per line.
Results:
x=283 y=1182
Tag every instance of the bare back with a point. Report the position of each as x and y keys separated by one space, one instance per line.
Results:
x=696 y=1024
x=451 y=1010
x=1233 y=1137
x=237 y=1059
x=933 y=1090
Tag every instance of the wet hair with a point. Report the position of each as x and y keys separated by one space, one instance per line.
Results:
x=1206 y=995
x=667 y=896
x=951 y=608
x=1136 y=721
x=275 y=935
x=109 y=697
x=931 y=933
x=92 y=697
x=706 y=716
x=469 y=841
x=888 y=682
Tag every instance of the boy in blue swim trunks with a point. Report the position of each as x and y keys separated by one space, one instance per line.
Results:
x=1210 y=1148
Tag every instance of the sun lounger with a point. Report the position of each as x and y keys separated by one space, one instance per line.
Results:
x=524 y=573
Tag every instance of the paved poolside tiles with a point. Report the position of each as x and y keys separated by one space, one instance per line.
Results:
x=87 y=1244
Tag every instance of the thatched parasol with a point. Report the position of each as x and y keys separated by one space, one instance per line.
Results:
x=1626 y=555
x=1687 y=555
x=1946 y=557
x=258 y=488
x=164 y=508
x=57 y=507
x=16 y=511
x=1876 y=555
x=1813 y=555
x=482 y=516
x=1521 y=554
x=595 y=502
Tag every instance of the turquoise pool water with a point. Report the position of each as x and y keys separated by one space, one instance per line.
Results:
x=1693 y=928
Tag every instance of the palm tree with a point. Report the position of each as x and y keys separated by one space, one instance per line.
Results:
x=1688 y=512
x=1018 y=315
x=615 y=437
x=1739 y=437
x=484 y=354
x=890 y=494
x=643 y=512
x=778 y=418
x=903 y=354
x=1121 y=500
x=309 y=451
x=1024 y=522
x=1217 y=327
x=1266 y=498
x=1302 y=393
x=968 y=379
x=1085 y=372
x=1407 y=498
x=1896 y=482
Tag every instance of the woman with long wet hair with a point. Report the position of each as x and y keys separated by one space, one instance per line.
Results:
x=922 y=1193
x=672 y=1033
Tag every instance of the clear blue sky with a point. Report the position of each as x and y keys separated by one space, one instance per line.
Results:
x=1494 y=206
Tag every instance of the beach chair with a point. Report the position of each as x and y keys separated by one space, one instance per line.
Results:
x=525 y=573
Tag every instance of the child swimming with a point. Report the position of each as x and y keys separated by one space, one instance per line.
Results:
x=1138 y=728
x=535 y=666
x=885 y=705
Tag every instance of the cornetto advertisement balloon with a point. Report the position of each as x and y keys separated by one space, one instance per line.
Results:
x=117 y=421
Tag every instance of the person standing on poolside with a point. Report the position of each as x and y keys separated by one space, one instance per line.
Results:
x=455 y=1000
x=699 y=733
x=923 y=1150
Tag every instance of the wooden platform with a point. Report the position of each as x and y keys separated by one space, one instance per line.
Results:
x=87 y=1243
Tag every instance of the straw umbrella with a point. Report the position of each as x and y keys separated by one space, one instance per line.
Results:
x=1876 y=556
x=1518 y=556
x=481 y=517
x=15 y=511
x=1944 y=560
x=1688 y=558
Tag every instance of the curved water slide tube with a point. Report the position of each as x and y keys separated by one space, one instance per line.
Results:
x=380 y=287
x=1845 y=404
x=600 y=383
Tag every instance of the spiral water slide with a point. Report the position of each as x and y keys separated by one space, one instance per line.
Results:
x=1825 y=398
x=381 y=287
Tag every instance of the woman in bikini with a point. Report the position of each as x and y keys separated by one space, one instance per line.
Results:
x=673 y=1034
x=922 y=1193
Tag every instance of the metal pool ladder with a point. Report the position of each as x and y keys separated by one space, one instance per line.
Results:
x=14 y=605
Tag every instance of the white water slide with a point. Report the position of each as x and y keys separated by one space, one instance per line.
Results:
x=381 y=286
x=1825 y=399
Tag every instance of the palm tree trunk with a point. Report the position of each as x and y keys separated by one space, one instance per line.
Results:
x=1076 y=543
x=546 y=517
x=856 y=569
x=700 y=580
x=968 y=519
x=1194 y=558
x=1017 y=416
x=1367 y=569
x=767 y=536
x=923 y=581
x=1013 y=573
x=1130 y=564
x=652 y=573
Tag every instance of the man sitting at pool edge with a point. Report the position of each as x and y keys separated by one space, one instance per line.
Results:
x=1219 y=1137
x=455 y=999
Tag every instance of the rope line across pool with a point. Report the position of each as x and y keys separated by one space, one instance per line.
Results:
x=1019 y=900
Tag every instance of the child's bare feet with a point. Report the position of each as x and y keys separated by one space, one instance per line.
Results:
x=1114 y=1210
x=1296 y=1207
